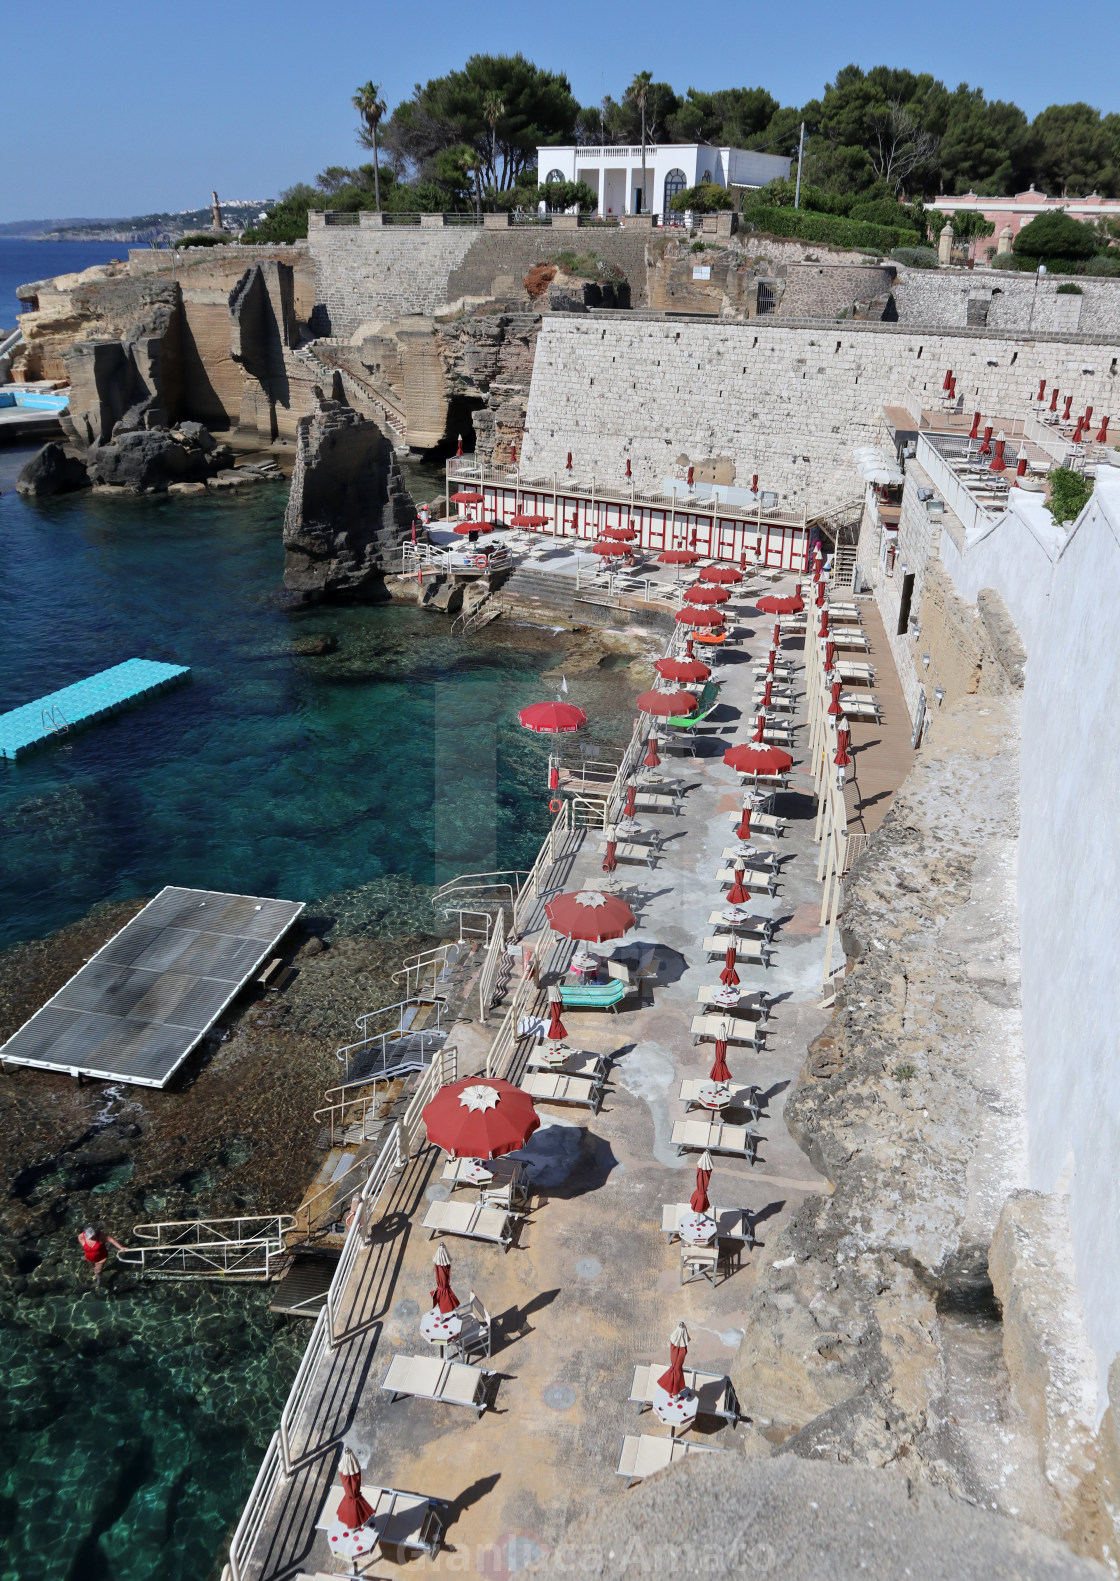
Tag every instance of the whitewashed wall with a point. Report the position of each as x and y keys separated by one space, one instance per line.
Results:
x=1062 y=587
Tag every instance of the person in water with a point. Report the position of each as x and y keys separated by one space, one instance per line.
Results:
x=95 y=1244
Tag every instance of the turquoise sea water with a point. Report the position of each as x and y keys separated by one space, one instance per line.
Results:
x=131 y=1426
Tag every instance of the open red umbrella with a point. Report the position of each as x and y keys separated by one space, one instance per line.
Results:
x=631 y=798
x=703 y=593
x=755 y=757
x=719 y=1070
x=697 y=615
x=673 y=1380
x=443 y=1296
x=353 y=1510
x=465 y=527
x=527 y=519
x=556 y=1028
x=590 y=915
x=621 y=534
x=651 y=759
x=678 y=557
x=552 y=718
x=729 y=976
x=698 y=1201
x=608 y=547
x=682 y=669
x=743 y=832
x=467 y=497
x=737 y=895
x=720 y=573
x=666 y=704
x=773 y=605
x=480 y=1117
x=834 y=706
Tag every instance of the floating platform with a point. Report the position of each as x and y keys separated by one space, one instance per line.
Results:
x=141 y=1004
x=55 y=715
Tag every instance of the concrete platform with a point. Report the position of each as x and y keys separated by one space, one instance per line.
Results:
x=147 y=998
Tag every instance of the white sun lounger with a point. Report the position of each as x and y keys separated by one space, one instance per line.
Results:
x=745 y=949
x=713 y=1136
x=848 y=637
x=733 y=1224
x=578 y=1063
x=762 y=823
x=473 y=1220
x=766 y=860
x=432 y=1378
x=749 y=924
x=756 y=1003
x=753 y=878
x=628 y=851
x=507 y=1186
x=855 y=670
x=658 y=801
x=400 y=1520
x=861 y=705
x=642 y=1456
x=741 y=1094
x=739 y=1029
x=555 y=1087
x=717 y=1397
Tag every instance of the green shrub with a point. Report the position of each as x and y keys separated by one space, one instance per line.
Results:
x=562 y=195
x=587 y=266
x=707 y=197
x=915 y=257
x=904 y=1072
x=829 y=229
x=1067 y=288
x=204 y=239
x=1069 y=493
x=1103 y=264
x=1055 y=234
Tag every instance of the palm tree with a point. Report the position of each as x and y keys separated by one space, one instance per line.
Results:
x=639 y=90
x=371 y=107
x=493 y=108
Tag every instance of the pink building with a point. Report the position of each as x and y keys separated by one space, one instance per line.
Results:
x=1020 y=210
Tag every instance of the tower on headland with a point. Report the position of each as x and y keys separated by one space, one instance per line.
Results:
x=215 y=213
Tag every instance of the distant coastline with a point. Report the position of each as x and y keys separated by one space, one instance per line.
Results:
x=138 y=229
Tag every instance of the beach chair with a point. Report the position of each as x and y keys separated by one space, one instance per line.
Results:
x=432 y=1378
x=754 y=923
x=848 y=637
x=632 y=974
x=707 y=700
x=765 y=861
x=472 y=1220
x=508 y=1185
x=408 y=1522
x=855 y=670
x=578 y=1063
x=733 y=1223
x=762 y=823
x=776 y=733
x=738 y=1029
x=593 y=996
x=658 y=802
x=642 y=1456
x=755 y=1004
x=741 y=1095
x=753 y=878
x=861 y=705
x=745 y=949
x=713 y=1389
x=555 y=1087
x=630 y=851
x=713 y=1136
x=474 y=1336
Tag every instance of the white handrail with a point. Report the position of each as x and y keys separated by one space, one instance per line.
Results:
x=488 y=976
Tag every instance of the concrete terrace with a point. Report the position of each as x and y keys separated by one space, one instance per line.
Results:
x=590 y=1286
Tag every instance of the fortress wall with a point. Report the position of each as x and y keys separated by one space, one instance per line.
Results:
x=789 y=403
x=1025 y=303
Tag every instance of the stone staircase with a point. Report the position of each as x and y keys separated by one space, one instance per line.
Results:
x=529 y=590
x=362 y=395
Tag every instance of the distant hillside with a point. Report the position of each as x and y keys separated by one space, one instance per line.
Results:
x=139 y=229
x=38 y=230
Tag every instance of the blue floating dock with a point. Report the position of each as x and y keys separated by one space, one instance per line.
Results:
x=50 y=717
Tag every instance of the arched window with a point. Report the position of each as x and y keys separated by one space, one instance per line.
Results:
x=675 y=182
x=555 y=175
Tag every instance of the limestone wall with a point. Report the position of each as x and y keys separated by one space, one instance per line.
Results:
x=1000 y=299
x=787 y=402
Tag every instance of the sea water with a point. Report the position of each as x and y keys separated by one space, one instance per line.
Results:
x=132 y=1425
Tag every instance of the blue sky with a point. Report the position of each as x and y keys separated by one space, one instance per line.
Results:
x=127 y=106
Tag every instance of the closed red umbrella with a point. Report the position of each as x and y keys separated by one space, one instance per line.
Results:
x=754 y=757
x=697 y=615
x=480 y=1117
x=997 y=463
x=353 y=1510
x=443 y=1296
x=738 y=894
x=721 y=573
x=651 y=759
x=677 y=557
x=1065 y=412
x=467 y=497
x=665 y=704
x=590 y=915
x=743 y=832
x=974 y=431
x=986 y=443
x=834 y=706
x=776 y=635
x=703 y=593
x=631 y=797
x=552 y=718
x=698 y=1202
x=688 y=649
x=719 y=1070
x=610 y=860
x=767 y=691
x=770 y=661
x=1102 y=434
x=556 y=1028
x=830 y=656
x=607 y=547
x=682 y=669
x=729 y=976
x=823 y=632
x=673 y=1380
x=843 y=738
x=820 y=594
x=1053 y=403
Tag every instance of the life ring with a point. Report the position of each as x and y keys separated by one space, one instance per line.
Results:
x=480 y=559
x=555 y=805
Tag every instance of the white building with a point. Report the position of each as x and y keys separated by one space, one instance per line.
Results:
x=615 y=174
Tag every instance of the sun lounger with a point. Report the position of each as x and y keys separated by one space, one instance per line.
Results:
x=860 y=705
x=628 y=851
x=407 y=1521
x=748 y=924
x=755 y=1003
x=578 y=1063
x=713 y=1136
x=776 y=733
x=855 y=670
x=848 y=637
x=740 y=1094
x=555 y=1087
x=766 y=860
x=753 y=878
x=657 y=801
x=707 y=700
x=733 y=1224
x=738 y=1029
x=433 y=1378
x=717 y=1397
x=745 y=949
x=508 y=1185
x=762 y=823
x=473 y=1220
x=593 y=996
x=642 y=1456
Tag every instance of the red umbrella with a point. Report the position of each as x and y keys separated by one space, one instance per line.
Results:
x=830 y=656
x=767 y=691
x=776 y=635
x=466 y=497
x=568 y=463
x=607 y=547
x=841 y=760
x=631 y=796
x=443 y=1296
x=719 y=1070
x=770 y=662
x=720 y=573
x=698 y=1202
x=677 y=557
x=823 y=632
x=590 y=915
x=353 y=1511
x=622 y=534
x=553 y=775
x=974 y=431
x=1065 y=413
x=523 y=519
x=697 y=615
x=465 y=527
x=552 y=718
x=1102 y=435
x=704 y=594
x=820 y=595
x=610 y=861
x=999 y=448
x=480 y=1117
x=947 y=381
x=752 y=757
x=997 y=463
x=986 y=444
x=665 y=704
x=682 y=669
x=673 y=1380
x=1053 y=403
x=743 y=832
x=834 y=706
x=729 y=976
x=760 y=728
x=688 y=653
x=737 y=895
x=556 y=1029
x=773 y=605
x=651 y=759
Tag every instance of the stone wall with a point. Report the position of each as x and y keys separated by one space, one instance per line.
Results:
x=725 y=280
x=787 y=402
x=1003 y=300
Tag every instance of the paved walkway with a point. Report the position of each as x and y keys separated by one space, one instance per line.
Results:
x=881 y=752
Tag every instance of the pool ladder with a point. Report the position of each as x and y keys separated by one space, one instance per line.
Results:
x=58 y=724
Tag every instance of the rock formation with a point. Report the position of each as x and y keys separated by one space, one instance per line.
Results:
x=147 y=461
x=348 y=507
x=54 y=470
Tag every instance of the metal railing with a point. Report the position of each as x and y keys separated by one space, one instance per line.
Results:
x=546 y=858
x=402 y=1040
x=488 y=976
x=239 y=1248
x=257 y=1506
x=501 y=1050
x=417 y=968
x=503 y=883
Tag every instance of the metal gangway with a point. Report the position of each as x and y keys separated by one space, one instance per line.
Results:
x=252 y=1247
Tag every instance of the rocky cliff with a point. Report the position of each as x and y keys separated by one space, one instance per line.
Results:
x=348 y=507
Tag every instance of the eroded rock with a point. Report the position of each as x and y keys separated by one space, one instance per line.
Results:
x=54 y=470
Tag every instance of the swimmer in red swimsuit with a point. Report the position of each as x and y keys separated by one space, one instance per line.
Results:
x=95 y=1244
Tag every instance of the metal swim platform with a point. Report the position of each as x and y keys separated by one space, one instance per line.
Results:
x=59 y=712
x=141 y=1004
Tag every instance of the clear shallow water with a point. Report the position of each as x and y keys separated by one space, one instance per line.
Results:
x=131 y=1426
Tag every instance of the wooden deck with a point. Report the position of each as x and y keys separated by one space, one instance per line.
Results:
x=142 y=1003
